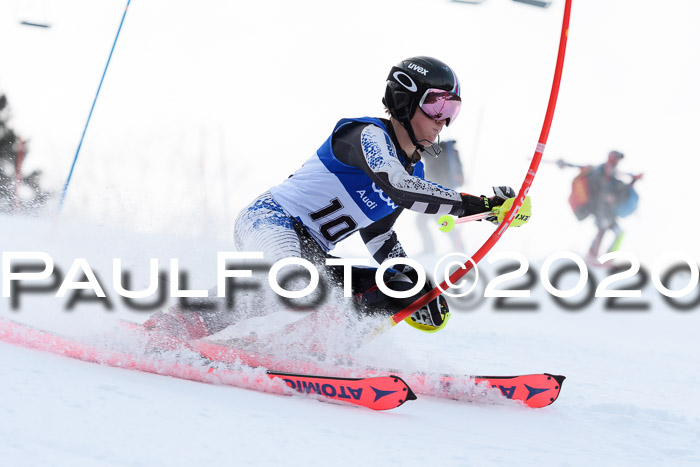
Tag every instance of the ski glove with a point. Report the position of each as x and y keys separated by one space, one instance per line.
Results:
x=502 y=193
x=478 y=204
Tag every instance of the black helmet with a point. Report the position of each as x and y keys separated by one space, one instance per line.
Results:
x=408 y=83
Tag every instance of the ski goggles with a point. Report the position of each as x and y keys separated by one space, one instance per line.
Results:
x=439 y=104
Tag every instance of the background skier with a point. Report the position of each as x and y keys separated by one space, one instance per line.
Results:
x=598 y=191
x=19 y=193
x=446 y=170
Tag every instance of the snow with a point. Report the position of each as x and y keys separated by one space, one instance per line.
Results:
x=204 y=106
x=630 y=396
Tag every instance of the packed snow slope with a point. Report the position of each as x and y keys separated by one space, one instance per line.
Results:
x=206 y=105
x=630 y=397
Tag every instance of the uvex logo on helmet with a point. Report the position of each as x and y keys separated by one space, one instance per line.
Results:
x=418 y=68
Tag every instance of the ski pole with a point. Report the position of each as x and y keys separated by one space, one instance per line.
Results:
x=562 y=163
x=448 y=222
x=87 y=122
x=527 y=183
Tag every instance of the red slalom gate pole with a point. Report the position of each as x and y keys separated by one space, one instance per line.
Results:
x=524 y=189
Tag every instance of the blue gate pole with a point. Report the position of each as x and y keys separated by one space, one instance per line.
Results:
x=82 y=137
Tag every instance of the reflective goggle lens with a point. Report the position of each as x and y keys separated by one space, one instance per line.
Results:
x=441 y=105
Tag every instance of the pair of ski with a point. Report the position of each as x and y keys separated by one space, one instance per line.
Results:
x=369 y=388
x=533 y=390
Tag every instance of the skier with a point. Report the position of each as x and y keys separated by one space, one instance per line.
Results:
x=599 y=191
x=361 y=178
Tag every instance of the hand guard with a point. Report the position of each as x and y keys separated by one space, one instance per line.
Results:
x=522 y=217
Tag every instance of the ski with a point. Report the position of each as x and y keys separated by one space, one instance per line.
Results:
x=375 y=388
x=533 y=390
x=374 y=392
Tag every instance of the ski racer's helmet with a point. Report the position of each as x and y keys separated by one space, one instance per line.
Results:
x=425 y=83
x=615 y=156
